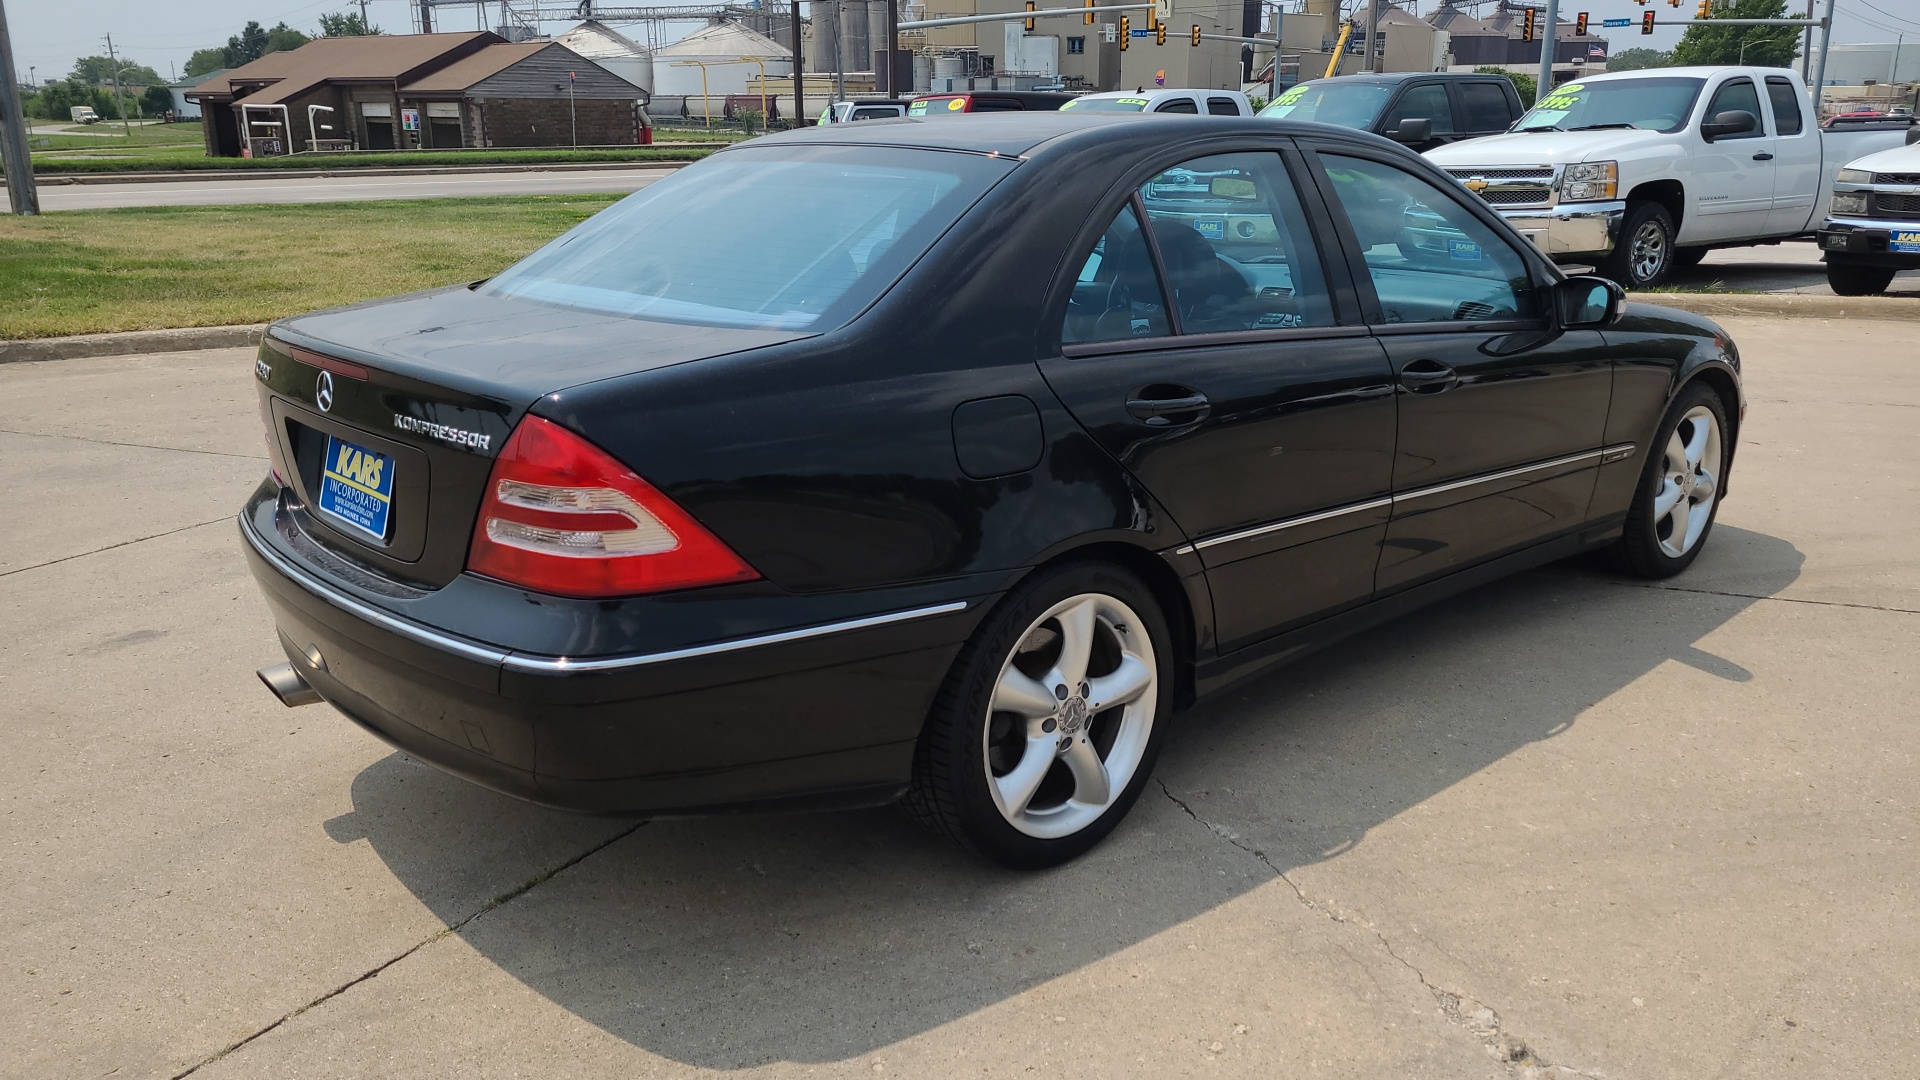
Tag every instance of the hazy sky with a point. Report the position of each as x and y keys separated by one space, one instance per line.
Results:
x=49 y=34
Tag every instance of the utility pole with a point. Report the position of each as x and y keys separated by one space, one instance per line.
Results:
x=1806 y=47
x=1820 y=70
x=893 y=42
x=1548 y=45
x=799 y=71
x=14 y=156
x=117 y=103
x=1376 y=59
x=426 y=17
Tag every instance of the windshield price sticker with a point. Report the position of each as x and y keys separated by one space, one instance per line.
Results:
x=1284 y=104
x=1463 y=250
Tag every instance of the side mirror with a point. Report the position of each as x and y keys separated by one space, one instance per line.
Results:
x=1412 y=130
x=1913 y=135
x=1586 y=302
x=1731 y=122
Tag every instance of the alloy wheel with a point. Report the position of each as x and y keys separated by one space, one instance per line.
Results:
x=1683 y=505
x=1649 y=252
x=1071 y=716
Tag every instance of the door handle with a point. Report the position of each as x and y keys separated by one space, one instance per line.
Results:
x=1763 y=156
x=1163 y=406
x=1428 y=377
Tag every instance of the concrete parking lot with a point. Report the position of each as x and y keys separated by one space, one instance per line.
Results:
x=1565 y=825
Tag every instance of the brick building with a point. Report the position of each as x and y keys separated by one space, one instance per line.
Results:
x=416 y=91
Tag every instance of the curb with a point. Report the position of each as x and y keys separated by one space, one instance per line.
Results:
x=1788 y=305
x=57 y=179
x=136 y=341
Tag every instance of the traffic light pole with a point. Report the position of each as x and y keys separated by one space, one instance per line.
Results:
x=1820 y=72
x=1548 y=42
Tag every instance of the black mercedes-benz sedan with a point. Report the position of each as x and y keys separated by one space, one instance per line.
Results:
x=942 y=462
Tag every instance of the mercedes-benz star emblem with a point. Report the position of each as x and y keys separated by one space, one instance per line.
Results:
x=323 y=391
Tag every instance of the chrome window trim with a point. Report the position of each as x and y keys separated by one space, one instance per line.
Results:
x=1611 y=453
x=562 y=665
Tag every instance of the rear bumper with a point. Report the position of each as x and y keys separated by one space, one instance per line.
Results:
x=809 y=716
x=1868 y=242
x=1584 y=230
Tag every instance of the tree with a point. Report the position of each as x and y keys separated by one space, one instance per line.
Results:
x=1639 y=60
x=1766 y=46
x=205 y=62
x=1522 y=84
x=284 y=38
x=157 y=101
x=345 y=24
x=98 y=71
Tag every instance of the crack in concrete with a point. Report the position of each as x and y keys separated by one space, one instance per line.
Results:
x=133 y=445
x=1758 y=596
x=1512 y=1052
x=504 y=898
x=110 y=547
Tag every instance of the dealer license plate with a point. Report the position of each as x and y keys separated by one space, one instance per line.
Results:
x=1904 y=241
x=356 y=487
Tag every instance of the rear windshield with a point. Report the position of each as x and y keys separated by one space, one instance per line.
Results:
x=1346 y=104
x=1655 y=104
x=940 y=106
x=1125 y=104
x=789 y=238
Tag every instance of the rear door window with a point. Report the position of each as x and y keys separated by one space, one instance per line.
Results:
x=1785 y=99
x=1234 y=246
x=1486 y=106
x=993 y=104
x=1220 y=106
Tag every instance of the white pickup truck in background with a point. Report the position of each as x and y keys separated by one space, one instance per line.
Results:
x=1638 y=172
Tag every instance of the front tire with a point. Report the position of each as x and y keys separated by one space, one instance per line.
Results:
x=1853 y=279
x=1644 y=255
x=1047 y=728
x=1679 y=494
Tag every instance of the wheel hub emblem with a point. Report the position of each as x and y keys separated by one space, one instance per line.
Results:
x=1073 y=715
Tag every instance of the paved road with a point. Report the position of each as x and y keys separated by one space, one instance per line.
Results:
x=1637 y=830
x=342 y=188
x=1792 y=267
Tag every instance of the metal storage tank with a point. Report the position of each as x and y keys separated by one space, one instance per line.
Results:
x=612 y=50
x=721 y=48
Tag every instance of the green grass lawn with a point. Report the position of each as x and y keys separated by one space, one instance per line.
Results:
x=179 y=158
x=88 y=271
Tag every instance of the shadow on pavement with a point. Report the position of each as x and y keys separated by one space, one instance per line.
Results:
x=732 y=942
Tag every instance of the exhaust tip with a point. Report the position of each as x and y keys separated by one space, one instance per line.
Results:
x=288 y=685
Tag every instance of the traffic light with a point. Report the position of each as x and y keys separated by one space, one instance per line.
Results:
x=1646 y=23
x=1704 y=11
x=1196 y=35
x=1526 y=30
x=1126 y=32
x=1580 y=25
x=1159 y=33
x=1089 y=15
x=1031 y=23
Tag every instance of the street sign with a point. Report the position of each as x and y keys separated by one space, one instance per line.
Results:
x=1616 y=22
x=1162 y=10
x=1142 y=33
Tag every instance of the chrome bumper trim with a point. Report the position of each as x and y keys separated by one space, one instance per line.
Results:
x=1584 y=228
x=1262 y=530
x=563 y=665
x=1848 y=224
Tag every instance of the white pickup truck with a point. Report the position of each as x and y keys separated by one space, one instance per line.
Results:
x=1638 y=172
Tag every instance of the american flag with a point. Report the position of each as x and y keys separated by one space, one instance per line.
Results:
x=1597 y=50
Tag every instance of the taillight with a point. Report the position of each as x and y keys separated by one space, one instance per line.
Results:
x=561 y=516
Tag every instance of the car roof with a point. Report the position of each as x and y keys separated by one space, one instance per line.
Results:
x=1160 y=90
x=1019 y=134
x=1402 y=76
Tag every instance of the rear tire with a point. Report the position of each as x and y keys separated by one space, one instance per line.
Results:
x=1644 y=254
x=1679 y=493
x=1853 y=279
x=1018 y=766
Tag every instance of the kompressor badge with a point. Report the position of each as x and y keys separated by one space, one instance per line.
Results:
x=471 y=440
